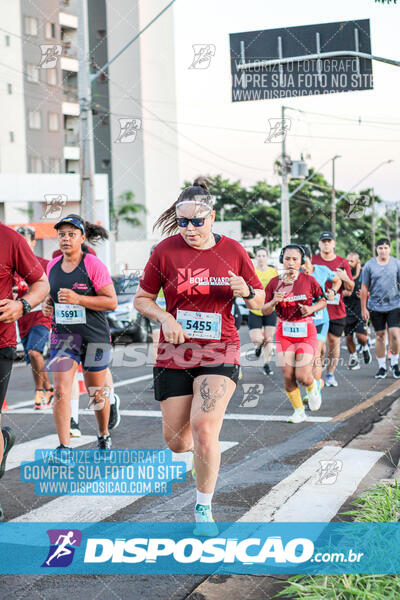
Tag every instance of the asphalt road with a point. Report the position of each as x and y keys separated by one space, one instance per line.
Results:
x=260 y=450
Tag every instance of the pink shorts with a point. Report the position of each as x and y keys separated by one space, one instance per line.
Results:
x=305 y=345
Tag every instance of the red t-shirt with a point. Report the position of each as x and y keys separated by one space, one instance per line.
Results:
x=15 y=257
x=198 y=281
x=35 y=317
x=305 y=290
x=338 y=310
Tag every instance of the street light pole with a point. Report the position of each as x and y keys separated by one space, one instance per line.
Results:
x=285 y=213
x=333 y=193
x=373 y=222
x=85 y=114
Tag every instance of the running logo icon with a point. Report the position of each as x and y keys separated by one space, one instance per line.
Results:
x=62 y=547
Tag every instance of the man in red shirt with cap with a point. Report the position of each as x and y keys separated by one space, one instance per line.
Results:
x=336 y=307
x=15 y=257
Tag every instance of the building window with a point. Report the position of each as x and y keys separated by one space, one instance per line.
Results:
x=7 y=40
x=54 y=165
x=9 y=88
x=32 y=73
x=31 y=26
x=11 y=137
x=35 y=164
x=34 y=119
x=105 y=163
x=51 y=76
x=50 y=30
x=53 y=121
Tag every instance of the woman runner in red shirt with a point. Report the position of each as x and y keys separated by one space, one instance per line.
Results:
x=198 y=357
x=292 y=295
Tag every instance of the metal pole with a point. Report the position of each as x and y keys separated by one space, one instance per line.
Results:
x=285 y=214
x=373 y=223
x=397 y=230
x=333 y=204
x=85 y=116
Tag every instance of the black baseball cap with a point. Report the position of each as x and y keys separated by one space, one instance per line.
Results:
x=74 y=220
x=326 y=235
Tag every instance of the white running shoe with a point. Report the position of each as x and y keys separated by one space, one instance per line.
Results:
x=354 y=365
x=314 y=397
x=330 y=381
x=298 y=416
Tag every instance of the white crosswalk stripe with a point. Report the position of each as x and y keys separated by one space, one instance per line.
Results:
x=303 y=497
x=157 y=414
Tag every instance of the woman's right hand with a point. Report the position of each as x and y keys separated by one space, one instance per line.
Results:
x=278 y=297
x=173 y=331
x=47 y=306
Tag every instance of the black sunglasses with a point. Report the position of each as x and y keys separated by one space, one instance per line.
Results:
x=196 y=222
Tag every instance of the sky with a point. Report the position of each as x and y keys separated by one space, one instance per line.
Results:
x=229 y=138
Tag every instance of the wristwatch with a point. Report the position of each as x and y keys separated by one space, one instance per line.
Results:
x=26 y=307
x=251 y=295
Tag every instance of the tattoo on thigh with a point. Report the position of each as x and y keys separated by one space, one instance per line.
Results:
x=209 y=397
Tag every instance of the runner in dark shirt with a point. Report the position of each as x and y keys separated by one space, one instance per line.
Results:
x=355 y=324
x=81 y=290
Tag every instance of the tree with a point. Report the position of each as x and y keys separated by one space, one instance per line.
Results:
x=126 y=210
x=258 y=208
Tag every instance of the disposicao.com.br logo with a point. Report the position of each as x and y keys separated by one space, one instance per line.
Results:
x=191 y=550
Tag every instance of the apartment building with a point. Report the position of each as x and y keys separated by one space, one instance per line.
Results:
x=39 y=132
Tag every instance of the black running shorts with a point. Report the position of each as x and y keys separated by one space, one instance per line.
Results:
x=336 y=326
x=179 y=382
x=380 y=319
x=260 y=321
x=355 y=326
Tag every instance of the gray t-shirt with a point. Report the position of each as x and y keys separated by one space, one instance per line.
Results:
x=383 y=284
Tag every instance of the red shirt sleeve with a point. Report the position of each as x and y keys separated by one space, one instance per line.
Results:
x=25 y=262
x=151 y=281
x=269 y=290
